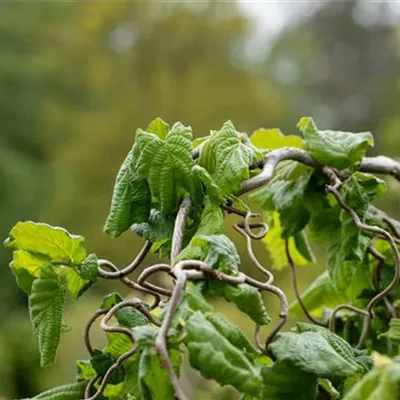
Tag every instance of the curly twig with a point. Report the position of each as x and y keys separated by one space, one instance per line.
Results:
x=88 y=326
x=146 y=273
x=118 y=274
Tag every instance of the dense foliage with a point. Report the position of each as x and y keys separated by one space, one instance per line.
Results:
x=174 y=193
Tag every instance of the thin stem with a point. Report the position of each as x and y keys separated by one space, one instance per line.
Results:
x=146 y=273
x=118 y=274
x=88 y=326
x=233 y=210
x=161 y=340
x=332 y=321
x=179 y=228
x=253 y=258
x=295 y=285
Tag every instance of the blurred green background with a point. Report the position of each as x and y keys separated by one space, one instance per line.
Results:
x=77 y=79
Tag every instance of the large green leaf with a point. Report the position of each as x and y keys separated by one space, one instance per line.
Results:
x=215 y=357
x=73 y=391
x=320 y=294
x=382 y=383
x=316 y=353
x=272 y=139
x=46 y=305
x=154 y=382
x=54 y=242
x=227 y=156
x=166 y=164
x=334 y=148
x=247 y=299
x=131 y=200
x=283 y=381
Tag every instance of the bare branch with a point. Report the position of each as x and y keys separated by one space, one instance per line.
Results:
x=88 y=326
x=270 y=162
x=179 y=228
x=381 y=165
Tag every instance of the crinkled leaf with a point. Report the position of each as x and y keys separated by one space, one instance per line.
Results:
x=335 y=148
x=246 y=298
x=166 y=165
x=72 y=391
x=157 y=227
x=159 y=127
x=118 y=344
x=328 y=387
x=131 y=200
x=54 y=242
x=212 y=219
x=88 y=270
x=283 y=381
x=320 y=294
x=46 y=305
x=313 y=353
x=215 y=357
x=272 y=139
x=227 y=158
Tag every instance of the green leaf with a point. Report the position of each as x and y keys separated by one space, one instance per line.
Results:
x=54 y=242
x=212 y=219
x=382 y=383
x=118 y=344
x=46 y=305
x=246 y=298
x=26 y=268
x=166 y=165
x=283 y=381
x=75 y=284
x=195 y=298
x=320 y=294
x=231 y=332
x=159 y=127
x=334 y=148
x=88 y=270
x=209 y=244
x=346 y=258
x=158 y=227
x=72 y=391
x=393 y=334
x=131 y=200
x=329 y=388
x=227 y=158
x=84 y=371
x=211 y=188
x=276 y=245
x=102 y=362
x=315 y=353
x=215 y=357
x=272 y=139
x=154 y=382
x=129 y=316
